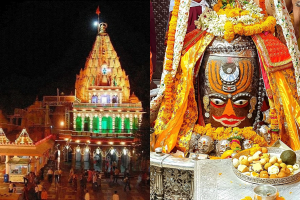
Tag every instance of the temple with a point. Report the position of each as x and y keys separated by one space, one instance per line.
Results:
x=95 y=125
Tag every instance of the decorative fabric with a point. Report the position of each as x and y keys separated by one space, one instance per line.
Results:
x=167 y=130
x=284 y=20
x=181 y=24
x=283 y=85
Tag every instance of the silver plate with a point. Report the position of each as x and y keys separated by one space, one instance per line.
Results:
x=271 y=181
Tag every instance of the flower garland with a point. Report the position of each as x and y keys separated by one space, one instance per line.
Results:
x=168 y=81
x=222 y=133
x=229 y=18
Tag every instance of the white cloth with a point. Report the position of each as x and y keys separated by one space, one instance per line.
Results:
x=115 y=197
x=204 y=5
x=193 y=4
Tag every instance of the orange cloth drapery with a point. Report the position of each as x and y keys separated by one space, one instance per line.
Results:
x=167 y=130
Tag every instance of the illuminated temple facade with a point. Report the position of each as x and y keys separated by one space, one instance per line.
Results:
x=104 y=104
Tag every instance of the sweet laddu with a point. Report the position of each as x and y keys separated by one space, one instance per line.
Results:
x=232 y=70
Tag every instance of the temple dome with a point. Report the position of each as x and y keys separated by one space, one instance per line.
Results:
x=133 y=98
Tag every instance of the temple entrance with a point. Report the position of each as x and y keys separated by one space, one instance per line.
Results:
x=98 y=162
x=78 y=155
x=125 y=161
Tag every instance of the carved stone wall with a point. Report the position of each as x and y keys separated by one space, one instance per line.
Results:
x=161 y=16
x=171 y=184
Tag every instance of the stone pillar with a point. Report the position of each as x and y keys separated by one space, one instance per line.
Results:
x=74 y=121
x=159 y=183
x=91 y=122
x=131 y=123
x=37 y=160
x=121 y=97
x=6 y=165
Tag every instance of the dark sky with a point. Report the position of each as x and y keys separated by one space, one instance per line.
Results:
x=45 y=43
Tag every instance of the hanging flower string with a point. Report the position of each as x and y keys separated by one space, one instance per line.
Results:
x=222 y=133
x=168 y=81
x=229 y=17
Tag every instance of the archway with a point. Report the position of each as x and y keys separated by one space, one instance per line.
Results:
x=98 y=161
x=87 y=123
x=125 y=161
x=104 y=124
x=94 y=99
x=127 y=125
x=118 y=125
x=96 y=124
x=78 y=123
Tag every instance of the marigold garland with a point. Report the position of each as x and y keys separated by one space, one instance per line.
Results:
x=222 y=133
x=168 y=81
x=241 y=17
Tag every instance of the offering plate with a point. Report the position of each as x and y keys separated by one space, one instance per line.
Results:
x=272 y=181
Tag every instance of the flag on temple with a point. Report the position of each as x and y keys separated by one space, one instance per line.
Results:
x=98 y=11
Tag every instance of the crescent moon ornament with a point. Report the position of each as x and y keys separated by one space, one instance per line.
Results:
x=228 y=76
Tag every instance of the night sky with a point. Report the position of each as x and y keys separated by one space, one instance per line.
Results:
x=45 y=43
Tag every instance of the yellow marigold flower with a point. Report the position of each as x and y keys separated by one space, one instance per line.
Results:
x=235 y=145
x=228 y=6
x=216 y=7
x=228 y=27
x=247 y=198
x=221 y=12
x=238 y=29
x=244 y=12
x=257 y=29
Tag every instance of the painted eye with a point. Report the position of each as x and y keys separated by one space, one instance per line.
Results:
x=218 y=102
x=240 y=102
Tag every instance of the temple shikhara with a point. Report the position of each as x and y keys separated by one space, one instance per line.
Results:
x=95 y=127
x=226 y=112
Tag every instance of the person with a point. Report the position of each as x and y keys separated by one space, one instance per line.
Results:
x=36 y=190
x=50 y=175
x=75 y=182
x=144 y=178
x=115 y=196
x=127 y=183
x=26 y=191
x=111 y=175
x=40 y=189
x=59 y=174
x=95 y=184
x=10 y=187
x=87 y=195
x=99 y=179
x=44 y=194
x=117 y=172
x=90 y=175
x=25 y=178
x=42 y=173
x=56 y=174
x=14 y=188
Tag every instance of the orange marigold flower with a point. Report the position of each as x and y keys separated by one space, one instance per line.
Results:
x=169 y=56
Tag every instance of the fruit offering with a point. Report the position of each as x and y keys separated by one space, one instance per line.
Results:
x=261 y=164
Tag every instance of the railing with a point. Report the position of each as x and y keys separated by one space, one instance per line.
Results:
x=100 y=134
x=171 y=178
x=107 y=105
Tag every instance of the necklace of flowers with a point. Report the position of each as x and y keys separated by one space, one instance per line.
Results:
x=168 y=80
x=222 y=133
x=230 y=17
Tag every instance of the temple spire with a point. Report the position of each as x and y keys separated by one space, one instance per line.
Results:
x=98 y=13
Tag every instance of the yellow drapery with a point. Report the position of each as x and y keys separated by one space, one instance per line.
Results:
x=291 y=108
x=167 y=130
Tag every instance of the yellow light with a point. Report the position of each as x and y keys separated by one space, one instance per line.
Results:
x=62 y=123
x=66 y=139
x=87 y=149
x=98 y=142
x=88 y=141
x=97 y=151
x=122 y=143
x=77 y=141
x=78 y=149
x=110 y=142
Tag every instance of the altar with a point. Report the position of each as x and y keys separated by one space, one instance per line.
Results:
x=183 y=178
